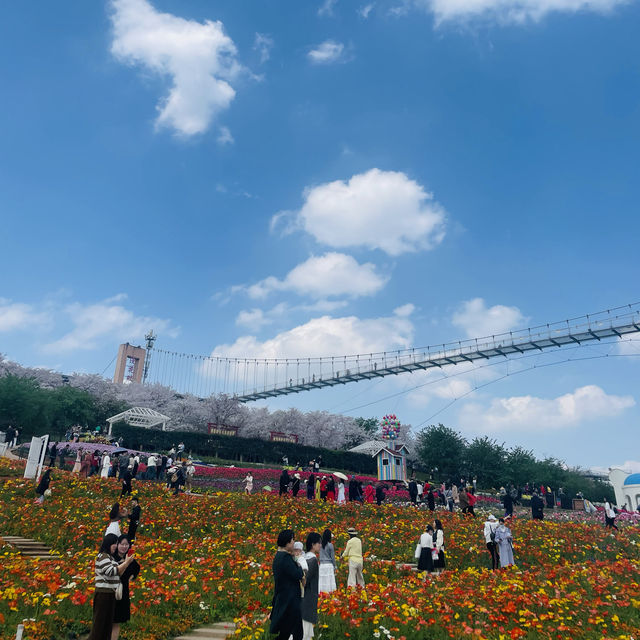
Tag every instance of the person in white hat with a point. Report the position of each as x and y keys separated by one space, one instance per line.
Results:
x=353 y=553
x=490 y=526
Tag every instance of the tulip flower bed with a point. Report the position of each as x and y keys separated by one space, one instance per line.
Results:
x=209 y=558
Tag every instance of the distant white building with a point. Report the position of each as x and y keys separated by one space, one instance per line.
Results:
x=627 y=488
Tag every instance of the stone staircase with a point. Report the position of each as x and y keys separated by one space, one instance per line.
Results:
x=30 y=548
x=215 y=631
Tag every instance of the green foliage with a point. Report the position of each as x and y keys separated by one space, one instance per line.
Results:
x=441 y=448
x=484 y=459
x=241 y=449
x=494 y=465
x=36 y=411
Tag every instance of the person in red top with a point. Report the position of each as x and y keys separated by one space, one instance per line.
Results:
x=323 y=488
x=472 y=501
x=369 y=494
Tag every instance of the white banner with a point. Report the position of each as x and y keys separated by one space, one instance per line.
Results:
x=37 y=453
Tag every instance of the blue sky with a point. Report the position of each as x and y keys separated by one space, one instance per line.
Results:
x=317 y=178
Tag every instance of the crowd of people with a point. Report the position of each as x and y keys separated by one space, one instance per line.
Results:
x=301 y=573
x=171 y=467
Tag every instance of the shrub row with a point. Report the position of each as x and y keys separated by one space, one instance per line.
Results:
x=241 y=449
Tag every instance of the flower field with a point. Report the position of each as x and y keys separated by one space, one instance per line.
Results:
x=209 y=558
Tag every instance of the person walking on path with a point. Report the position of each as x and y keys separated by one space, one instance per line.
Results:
x=311 y=486
x=78 y=463
x=295 y=485
x=490 y=527
x=134 y=520
x=286 y=613
x=189 y=472
x=284 y=482
x=431 y=500
x=331 y=489
x=248 y=483
x=369 y=494
x=507 y=500
x=471 y=497
x=106 y=464
x=341 y=495
x=127 y=479
x=448 y=497
x=317 y=491
x=425 y=550
x=504 y=540
x=380 y=494
x=413 y=491
x=107 y=580
x=85 y=465
x=537 y=507
x=53 y=454
x=152 y=461
x=309 y=607
x=122 y=610
x=43 y=486
x=440 y=564
x=327 y=581
x=609 y=516
x=353 y=553
x=463 y=499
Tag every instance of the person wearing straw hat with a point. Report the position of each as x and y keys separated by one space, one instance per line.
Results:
x=353 y=553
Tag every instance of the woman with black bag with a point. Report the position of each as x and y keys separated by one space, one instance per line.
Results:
x=122 y=611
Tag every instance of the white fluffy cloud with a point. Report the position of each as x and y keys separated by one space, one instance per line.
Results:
x=17 y=315
x=528 y=413
x=333 y=274
x=106 y=320
x=327 y=52
x=511 y=11
x=479 y=321
x=377 y=209
x=199 y=58
x=326 y=336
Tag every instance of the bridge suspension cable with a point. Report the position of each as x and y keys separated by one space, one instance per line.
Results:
x=250 y=379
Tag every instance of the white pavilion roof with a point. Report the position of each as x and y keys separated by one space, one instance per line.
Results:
x=140 y=417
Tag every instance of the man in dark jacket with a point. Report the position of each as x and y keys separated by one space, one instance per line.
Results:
x=380 y=495
x=286 y=614
x=134 y=519
x=537 y=507
x=413 y=490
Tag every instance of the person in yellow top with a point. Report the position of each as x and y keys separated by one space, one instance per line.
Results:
x=353 y=552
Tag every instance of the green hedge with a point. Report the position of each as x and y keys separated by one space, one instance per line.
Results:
x=241 y=449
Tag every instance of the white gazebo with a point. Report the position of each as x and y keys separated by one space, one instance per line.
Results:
x=140 y=417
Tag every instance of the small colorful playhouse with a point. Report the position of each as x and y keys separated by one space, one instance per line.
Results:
x=391 y=458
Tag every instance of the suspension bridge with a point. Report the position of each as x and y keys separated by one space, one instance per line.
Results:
x=249 y=379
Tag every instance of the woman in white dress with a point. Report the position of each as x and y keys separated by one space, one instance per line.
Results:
x=76 y=466
x=327 y=580
x=248 y=483
x=106 y=465
x=341 y=497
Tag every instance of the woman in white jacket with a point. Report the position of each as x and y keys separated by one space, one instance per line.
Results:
x=425 y=550
x=439 y=564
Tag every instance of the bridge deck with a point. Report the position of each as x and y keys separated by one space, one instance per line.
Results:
x=381 y=365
